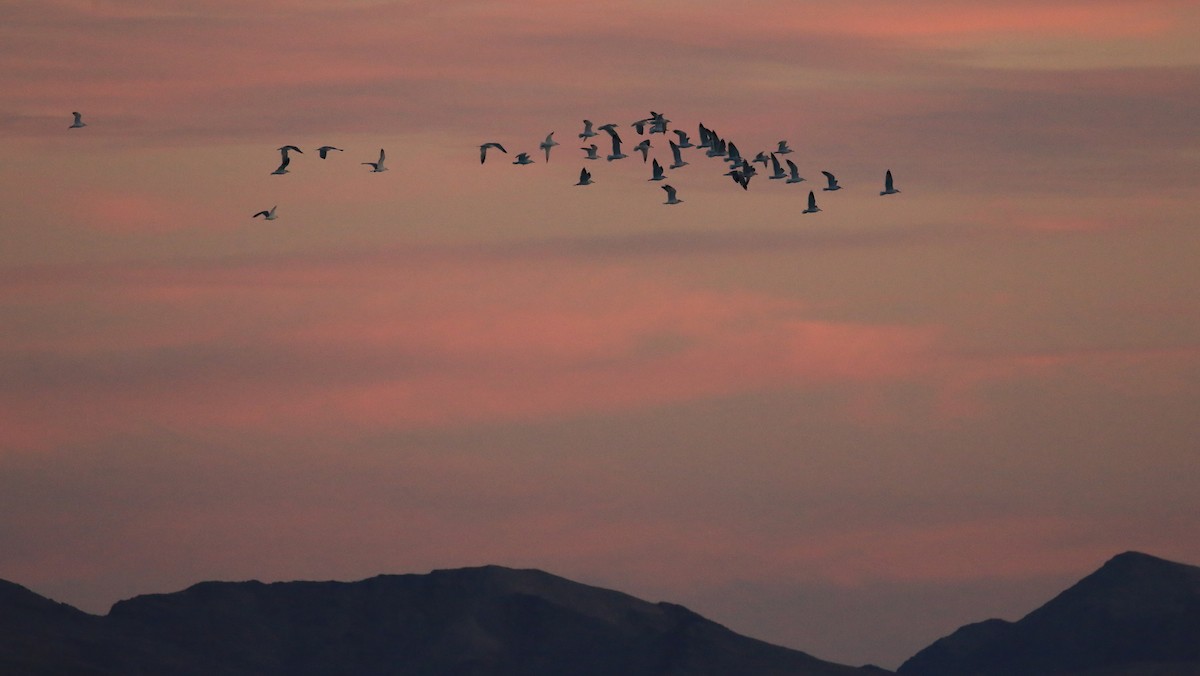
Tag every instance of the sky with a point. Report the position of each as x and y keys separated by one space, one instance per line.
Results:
x=847 y=432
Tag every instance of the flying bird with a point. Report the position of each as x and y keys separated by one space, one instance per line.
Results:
x=616 y=150
x=377 y=167
x=812 y=204
x=78 y=122
x=284 y=150
x=591 y=152
x=677 y=155
x=671 y=198
x=484 y=148
x=684 y=141
x=888 y=189
x=522 y=158
x=268 y=214
x=282 y=168
x=776 y=170
x=587 y=132
x=833 y=184
x=795 y=172
x=783 y=148
x=644 y=149
x=611 y=128
x=585 y=177
x=324 y=150
x=548 y=144
x=762 y=156
x=658 y=171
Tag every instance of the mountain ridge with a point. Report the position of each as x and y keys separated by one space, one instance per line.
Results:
x=487 y=620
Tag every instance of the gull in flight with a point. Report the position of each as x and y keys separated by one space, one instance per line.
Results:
x=587 y=130
x=762 y=157
x=833 y=184
x=78 y=122
x=671 y=198
x=734 y=156
x=377 y=167
x=484 y=148
x=776 y=169
x=684 y=141
x=658 y=171
x=812 y=204
x=284 y=150
x=282 y=168
x=616 y=153
x=739 y=177
x=795 y=177
x=585 y=177
x=324 y=150
x=611 y=128
x=783 y=148
x=268 y=214
x=548 y=144
x=591 y=152
x=676 y=154
x=644 y=149
x=522 y=158
x=888 y=189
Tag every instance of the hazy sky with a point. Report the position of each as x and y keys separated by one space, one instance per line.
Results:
x=848 y=432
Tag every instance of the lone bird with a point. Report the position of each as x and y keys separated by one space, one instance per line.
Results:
x=833 y=184
x=377 y=167
x=671 y=198
x=812 y=204
x=484 y=148
x=268 y=214
x=78 y=122
x=888 y=189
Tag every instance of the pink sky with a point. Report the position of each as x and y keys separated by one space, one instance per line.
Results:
x=848 y=433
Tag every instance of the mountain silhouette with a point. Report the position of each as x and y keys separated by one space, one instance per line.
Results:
x=488 y=621
x=1136 y=616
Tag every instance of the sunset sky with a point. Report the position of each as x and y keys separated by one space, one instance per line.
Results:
x=848 y=432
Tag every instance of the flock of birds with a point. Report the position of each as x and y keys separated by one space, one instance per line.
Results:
x=741 y=169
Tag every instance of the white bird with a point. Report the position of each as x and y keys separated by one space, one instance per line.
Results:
x=522 y=158
x=324 y=150
x=888 y=189
x=377 y=167
x=548 y=144
x=833 y=184
x=587 y=130
x=783 y=148
x=591 y=152
x=671 y=198
x=78 y=122
x=795 y=177
x=644 y=149
x=616 y=150
x=776 y=169
x=484 y=148
x=658 y=171
x=269 y=214
x=812 y=204
x=585 y=177
x=677 y=155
